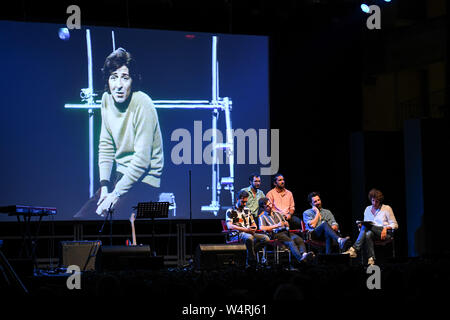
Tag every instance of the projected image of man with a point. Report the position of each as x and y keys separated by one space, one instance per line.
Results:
x=130 y=138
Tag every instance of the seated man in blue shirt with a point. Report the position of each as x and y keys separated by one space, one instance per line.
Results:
x=241 y=220
x=277 y=227
x=321 y=224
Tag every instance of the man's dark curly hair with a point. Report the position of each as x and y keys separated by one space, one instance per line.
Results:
x=116 y=60
x=376 y=194
x=243 y=194
x=261 y=204
x=312 y=195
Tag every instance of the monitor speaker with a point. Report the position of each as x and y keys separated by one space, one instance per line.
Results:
x=216 y=256
x=334 y=259
x=83 y=254
x=117 y=258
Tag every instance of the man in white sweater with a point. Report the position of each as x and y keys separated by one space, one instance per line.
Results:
x=130 y=137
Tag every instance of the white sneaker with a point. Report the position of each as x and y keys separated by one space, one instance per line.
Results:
x=342 y=241
x=307 y=256
x=351 y=252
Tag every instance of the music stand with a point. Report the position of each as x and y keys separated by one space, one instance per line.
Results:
x=152 y=210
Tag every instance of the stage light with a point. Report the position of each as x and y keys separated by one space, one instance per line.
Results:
x=365 y=8
x=64 y=34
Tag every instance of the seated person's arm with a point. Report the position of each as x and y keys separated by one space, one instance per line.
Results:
x=334 y=225
x=270 y=228
x=308 y=218
x=291 y=210
x=313 y=219
x=232 y=226
x=391 y=219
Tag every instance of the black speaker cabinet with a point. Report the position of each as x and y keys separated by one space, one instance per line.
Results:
x=216 y=256
x=80 y=253
x=117 y=258
x=334 y=259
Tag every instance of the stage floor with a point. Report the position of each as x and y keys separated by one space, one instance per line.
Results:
x=406 y=280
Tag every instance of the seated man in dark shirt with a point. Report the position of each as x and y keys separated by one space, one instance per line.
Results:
x=241 y=220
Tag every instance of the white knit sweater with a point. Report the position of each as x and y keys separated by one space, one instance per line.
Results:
x=131 y=137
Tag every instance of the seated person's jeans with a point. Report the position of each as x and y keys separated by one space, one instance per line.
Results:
x=366 y=238
x=295 y=223
x=325 y=232
x=253 y=242
x=293 y=242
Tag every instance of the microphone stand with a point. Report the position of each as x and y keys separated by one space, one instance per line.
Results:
x=109 y=214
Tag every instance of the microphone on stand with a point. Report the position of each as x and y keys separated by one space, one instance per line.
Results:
x=108 y=214
x=284 y=220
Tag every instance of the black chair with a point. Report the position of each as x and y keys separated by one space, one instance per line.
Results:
x=386 y=242
x=229 y=234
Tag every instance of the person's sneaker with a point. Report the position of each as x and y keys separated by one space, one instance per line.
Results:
x=292 y=268
x=351 y=252
x=307 y=257
x=371 y=261
x=263 y=260
x=342 y=242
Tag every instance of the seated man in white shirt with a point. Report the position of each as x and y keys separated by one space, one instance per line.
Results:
x=383 y=222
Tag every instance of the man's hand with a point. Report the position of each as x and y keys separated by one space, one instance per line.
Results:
x=314 y=222
x=251 y=230
x=335 y=227
x=318 y=215
x=287 y=216
x=103 y=194
x=317 y=212
x=107 y=203
x=383 y=234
